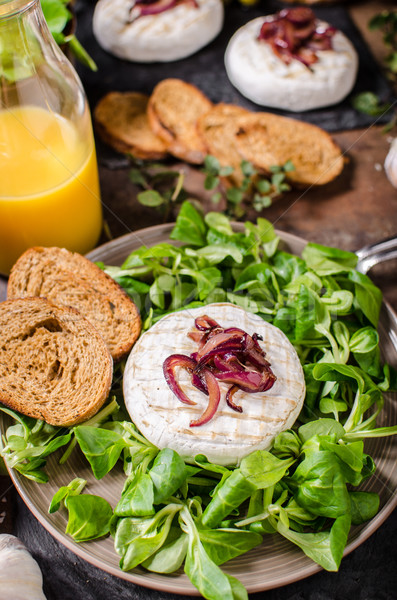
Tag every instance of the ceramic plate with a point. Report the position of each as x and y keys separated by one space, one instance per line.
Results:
x=276 y=562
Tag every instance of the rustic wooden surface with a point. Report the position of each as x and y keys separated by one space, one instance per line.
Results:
x=357 y=209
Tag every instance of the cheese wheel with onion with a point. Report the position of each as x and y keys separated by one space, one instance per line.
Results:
x=261 y=76
x=229 y=436
x=170 y=35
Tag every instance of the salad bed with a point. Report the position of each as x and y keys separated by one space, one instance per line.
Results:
x=199 y=514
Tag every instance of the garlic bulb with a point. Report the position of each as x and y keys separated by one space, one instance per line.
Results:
x=391 y=163
x=20 y=575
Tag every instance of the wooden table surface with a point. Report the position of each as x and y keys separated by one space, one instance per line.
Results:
x=357 y=209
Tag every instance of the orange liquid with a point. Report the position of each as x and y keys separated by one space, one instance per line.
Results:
x=49 y=189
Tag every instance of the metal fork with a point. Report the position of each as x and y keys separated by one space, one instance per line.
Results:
x=373 y=254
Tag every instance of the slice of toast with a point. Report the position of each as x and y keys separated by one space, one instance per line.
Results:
x=268 y=140
x=54 y=365
x=173 y=110
x=69 y=279
x=218 y=132
x=121 y=121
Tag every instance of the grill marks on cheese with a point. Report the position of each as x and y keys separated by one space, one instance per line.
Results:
x=229 y=436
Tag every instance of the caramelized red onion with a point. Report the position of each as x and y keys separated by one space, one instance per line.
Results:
x=229 y=398
x=295 y=33
x=230 y=355
x=169 y=366
x=141 y=8
x=214 y=396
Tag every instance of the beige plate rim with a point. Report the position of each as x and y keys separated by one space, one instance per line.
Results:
x=273 y=564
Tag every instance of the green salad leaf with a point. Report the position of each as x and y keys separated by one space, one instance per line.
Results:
x=174 y=513
x=57 y=15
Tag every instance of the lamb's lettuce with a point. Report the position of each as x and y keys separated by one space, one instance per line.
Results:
x=173 y=513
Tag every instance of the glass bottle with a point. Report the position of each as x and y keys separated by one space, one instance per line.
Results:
x=49 y=190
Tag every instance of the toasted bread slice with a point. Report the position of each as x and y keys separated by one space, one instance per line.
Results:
x=173 y=111
x=69 y=279
x=121 y=121
x=218 y=132
x=268 y=140
x=54 y=365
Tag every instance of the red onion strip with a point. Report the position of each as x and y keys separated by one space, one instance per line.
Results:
x=229 y=355
x=142 y=8
x=169 y=366
x=213 y=400
x=295 y=33
x=248 y=381
x=229 y=398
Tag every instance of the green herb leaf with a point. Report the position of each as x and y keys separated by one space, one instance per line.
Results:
x=89 y=517
x=190 y=227
x=369 y=104
x=325 y=548
x=150 y=198
x=101 y=447
x=168 y=474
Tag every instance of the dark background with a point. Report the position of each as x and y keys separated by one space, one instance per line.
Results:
x=369 y=572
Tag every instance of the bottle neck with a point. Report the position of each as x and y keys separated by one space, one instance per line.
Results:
x=11 y=8
x=26 y=43
x=33 y=69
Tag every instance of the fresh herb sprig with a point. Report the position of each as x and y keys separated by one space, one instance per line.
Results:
x=368 y=102
x=163 y=188
x=386 y=22
x=255 y=190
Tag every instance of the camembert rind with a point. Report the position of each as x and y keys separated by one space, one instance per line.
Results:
x=167 y=36
x=261 y=76
x=229 y=435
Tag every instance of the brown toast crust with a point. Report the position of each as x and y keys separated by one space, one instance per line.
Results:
x=54 y=365
x=191 y=127
x=173 y=111
x=121 y=121
x=218 y=132
x=268 y=140
x=69 y=279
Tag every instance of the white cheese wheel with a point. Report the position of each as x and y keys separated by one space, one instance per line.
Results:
x=260 y=75
x=229 y=436
x=171 y=35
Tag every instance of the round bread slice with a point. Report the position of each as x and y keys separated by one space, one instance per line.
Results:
x=69 y=279
x=261 y=76
x=175 y=33
x=268 y=140
x=218 y=132
x=229 y=436
x=54 y=365
x=121 y=121
x=174 y=109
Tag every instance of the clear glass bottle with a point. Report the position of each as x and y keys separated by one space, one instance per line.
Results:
x=49 y=190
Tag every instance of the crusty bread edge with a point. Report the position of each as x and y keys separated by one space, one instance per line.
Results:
x=108 y=381
x=97 y=272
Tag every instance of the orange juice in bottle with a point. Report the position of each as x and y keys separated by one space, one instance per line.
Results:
x=49 y=190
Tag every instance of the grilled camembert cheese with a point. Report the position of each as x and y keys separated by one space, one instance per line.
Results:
x=229 y=436
x=261 y=76
x=173 y=34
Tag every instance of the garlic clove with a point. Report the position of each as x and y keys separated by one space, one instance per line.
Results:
x=391 y=163
x=20 y=575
